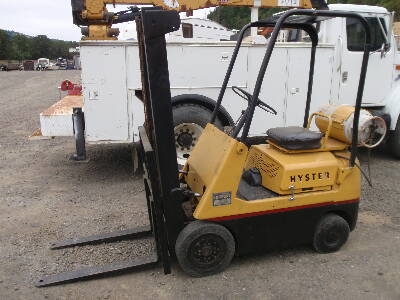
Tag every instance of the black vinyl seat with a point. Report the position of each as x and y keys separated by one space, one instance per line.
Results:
x=295 y=138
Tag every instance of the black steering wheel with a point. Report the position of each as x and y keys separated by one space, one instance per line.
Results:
x=246 y=96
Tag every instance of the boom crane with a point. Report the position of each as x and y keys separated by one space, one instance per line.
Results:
x=98 y=21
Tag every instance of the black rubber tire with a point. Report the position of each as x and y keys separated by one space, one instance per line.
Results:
x=192 y=113
x=189 y=250
x=331 y=233
x=394 y=141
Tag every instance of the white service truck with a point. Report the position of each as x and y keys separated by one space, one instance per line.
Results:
x=111 y=79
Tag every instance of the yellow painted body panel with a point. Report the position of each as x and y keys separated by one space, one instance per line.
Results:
x=216 y=166
x=99 y=32
x=280 y=171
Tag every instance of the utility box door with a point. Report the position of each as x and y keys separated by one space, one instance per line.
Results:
x=204 y=66
x=298 y=63
x=105 y=93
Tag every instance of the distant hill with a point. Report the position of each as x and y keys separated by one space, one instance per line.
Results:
x=18 y=46
x=11 y=33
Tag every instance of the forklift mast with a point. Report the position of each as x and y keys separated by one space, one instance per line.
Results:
x=158 y=132
x=161 y=179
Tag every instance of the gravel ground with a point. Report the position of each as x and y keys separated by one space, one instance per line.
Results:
x=46 y=197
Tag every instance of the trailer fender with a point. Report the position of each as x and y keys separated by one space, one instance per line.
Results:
x=208 y=103
x=392 y=106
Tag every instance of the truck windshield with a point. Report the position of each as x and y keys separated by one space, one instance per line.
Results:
x=356 y=36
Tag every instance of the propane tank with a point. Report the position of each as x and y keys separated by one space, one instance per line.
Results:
x=371 y=129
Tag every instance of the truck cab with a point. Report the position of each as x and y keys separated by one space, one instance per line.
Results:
x=382 y=88
x=347 y=36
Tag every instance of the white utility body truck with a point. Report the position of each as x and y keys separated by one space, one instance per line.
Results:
x=111 y=79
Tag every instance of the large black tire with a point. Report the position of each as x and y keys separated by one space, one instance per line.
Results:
x=192 y=113
x=331 y=233
x=394 y=141
x=204 y=248
x=189 y=121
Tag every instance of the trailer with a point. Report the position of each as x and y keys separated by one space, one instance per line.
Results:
x=111 y=80
x=10 y=65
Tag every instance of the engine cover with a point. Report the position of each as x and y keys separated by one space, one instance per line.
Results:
x=285 y=173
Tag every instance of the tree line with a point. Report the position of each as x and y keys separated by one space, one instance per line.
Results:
x=237 y=17
x=16 y=46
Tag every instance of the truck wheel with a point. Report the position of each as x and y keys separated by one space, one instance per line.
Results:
x=204 y=248
x=189 y=121
x=331 y=233
x=394 y=142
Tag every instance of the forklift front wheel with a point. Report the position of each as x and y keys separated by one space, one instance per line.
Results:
x=204 y=248
x=331 y=233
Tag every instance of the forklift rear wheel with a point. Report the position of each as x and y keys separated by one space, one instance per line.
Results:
x=204 y=248
x=331 y=233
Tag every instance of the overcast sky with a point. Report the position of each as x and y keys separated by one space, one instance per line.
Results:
x=50 y=17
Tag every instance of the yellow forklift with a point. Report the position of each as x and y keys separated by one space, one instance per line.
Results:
x=238 y=194
x=293 y=186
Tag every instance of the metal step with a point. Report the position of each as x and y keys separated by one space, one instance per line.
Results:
x=137 y=232
x=91 y=272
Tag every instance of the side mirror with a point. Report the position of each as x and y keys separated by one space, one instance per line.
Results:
x=384 y=49
x=387 y=47
x=389 y=33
